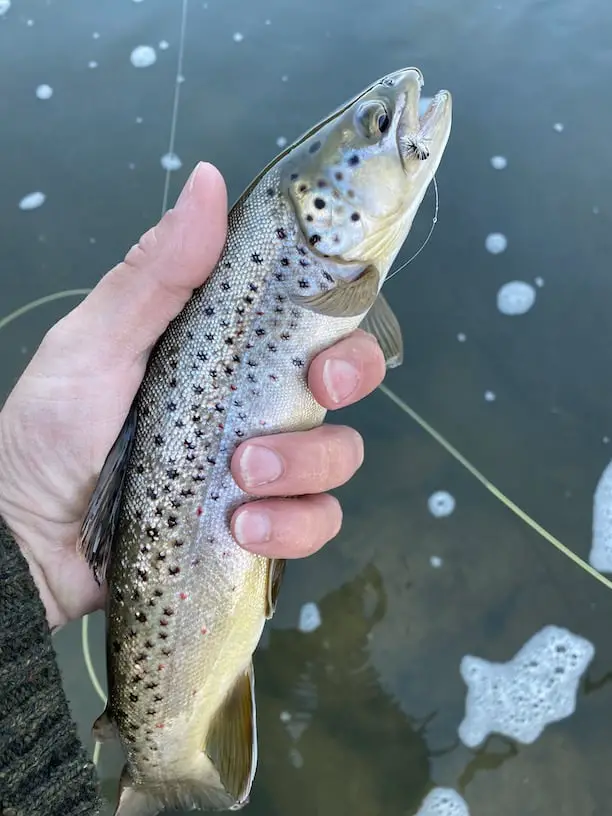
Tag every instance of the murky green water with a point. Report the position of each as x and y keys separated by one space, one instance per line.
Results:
x=361 y=716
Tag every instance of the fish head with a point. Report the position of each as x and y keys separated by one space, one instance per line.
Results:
x=356 y=182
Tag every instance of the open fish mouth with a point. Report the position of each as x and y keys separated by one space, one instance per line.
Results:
x=423 y=129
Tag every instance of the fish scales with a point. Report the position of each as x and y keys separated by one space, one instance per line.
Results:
x=230 y=367
x=309 y=246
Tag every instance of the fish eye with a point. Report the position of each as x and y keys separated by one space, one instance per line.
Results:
x=373 y=119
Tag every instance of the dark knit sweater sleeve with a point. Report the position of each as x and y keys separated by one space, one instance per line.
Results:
x=44 y=768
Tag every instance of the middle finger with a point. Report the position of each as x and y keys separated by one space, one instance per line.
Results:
x=298 y=463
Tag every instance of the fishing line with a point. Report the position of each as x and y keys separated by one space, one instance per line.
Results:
x=176 y=100
x=429 y=234
x=493 y=489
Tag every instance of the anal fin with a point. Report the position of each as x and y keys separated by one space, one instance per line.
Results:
x=98 y=528
x=103 y=729
x=231 y=744
x=384 y=325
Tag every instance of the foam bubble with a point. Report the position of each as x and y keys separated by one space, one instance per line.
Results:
x=539 y=282
x=443 y=802
x=310 y=617
x=441 y=504
x=518 y=699
x=32 y=201
x=515 y=298
x=281 y=141
x=44 y=92
x=461 y=337
x=92 y=64
x=559 y=127
x=238 y=37
x=285 y=78
x=170 y=161
x=600 y=556
x=435 y=561
x=490 y=396
x=499 y=162
x=96 y=35
x=164 y=45
x=4 y=6
x=495 y=243
x=143 y=56
x=139 y=120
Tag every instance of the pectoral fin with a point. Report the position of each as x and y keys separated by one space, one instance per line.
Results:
x=98 y=529
x=383 y=324
x=276 y=570
x=231 y=743
x=345 y=299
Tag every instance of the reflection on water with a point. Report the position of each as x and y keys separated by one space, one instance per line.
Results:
x=507 y=353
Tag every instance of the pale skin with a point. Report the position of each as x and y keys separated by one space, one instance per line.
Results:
x=66 y=410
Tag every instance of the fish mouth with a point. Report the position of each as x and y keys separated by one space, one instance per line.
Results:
x=421 y=134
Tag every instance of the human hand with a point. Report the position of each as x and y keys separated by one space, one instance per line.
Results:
x=61 y=419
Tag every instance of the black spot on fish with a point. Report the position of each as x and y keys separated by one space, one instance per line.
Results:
x=139 y=469
x=303 y=188
x=284 y=261
x=354 y=160
x=239 y=434
x=294 y=176
x=225 y=286
x=319 y=203
x=279 y=277
x=159 y=511
x=152 y=533
x=355 y=216
x=351 y=194
x=281 y=233
x=209 y=311
x=151 y=494
x=201 y=356
x=270 y=191
x=304 y=263
x=198 y=390
x=210 y=337
x=314 y=147
x=172 y=473
x=161 y=556
x=142 y=574
x=141 y=617
x=168 y=611
x=260 y=332
x=172 y=521
x=173 y=382
x=186 y=492
x=178 y=542
x=297 y=362
x=173 y=363
x=152 y=685
x=285 y=336
x=272 y=347
x=303 y=283
x=309 y=218
x=171 y=406
x=328 y=277
x=229 y=341
x=256 y=258
x=116 y=646
x=162 y=635
x=314 y=239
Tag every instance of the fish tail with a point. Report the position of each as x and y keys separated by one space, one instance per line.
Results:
x=222 y=775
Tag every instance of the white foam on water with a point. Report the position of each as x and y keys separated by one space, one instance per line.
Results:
x=285 y=717
x=443 y=802
x=92 y=64
x=32 y=201
x=539 y=282
x=30 y=23
x=281 y=141
x=559 y=127
x=490 y=396
x=606 y=440
x=139 y=120
x=310 y=617
x=520 y=698
x=285 y=78
x=595 y=209
x=461 y=337
x=170 y=161
x=516 y=298
x=441 y=504
x=96 y=35
x=499 y=162
x=238 y=37
x=164 y=45
x=495 y=243
x=435 y=561
x=600 y=556
x=143 y=56
x=4 y=6
x=44 y=92
x=268 y=22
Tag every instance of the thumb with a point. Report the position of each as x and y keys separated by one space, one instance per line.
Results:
x=133 y=304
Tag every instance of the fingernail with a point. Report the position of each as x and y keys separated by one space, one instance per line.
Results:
x=260 y=465
x=252 y=527
x=186 y=191
x=340 y=378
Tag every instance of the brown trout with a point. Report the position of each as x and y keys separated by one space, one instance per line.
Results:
x=310 y=243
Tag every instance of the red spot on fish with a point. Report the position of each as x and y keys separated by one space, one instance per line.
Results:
x=159 y=725
x=259 y=314
x=220 y=426
x=199 y=511
x=161 y=667
x=204 y=630
x=273 y=377
x=183 y=596
x=233 y=387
